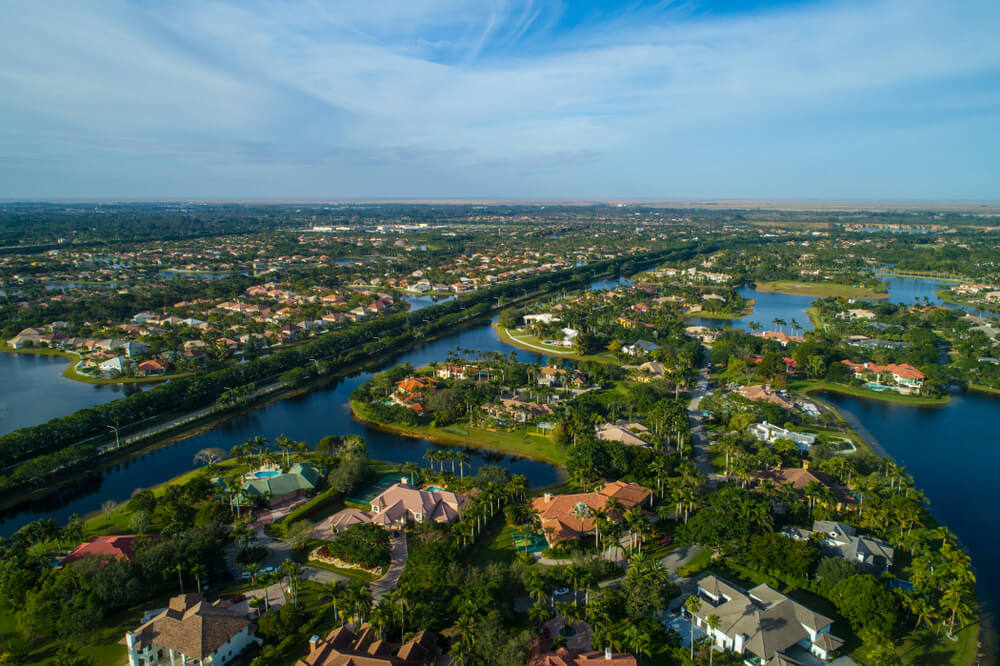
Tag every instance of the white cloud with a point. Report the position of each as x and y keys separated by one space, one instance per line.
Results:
x=459 y=85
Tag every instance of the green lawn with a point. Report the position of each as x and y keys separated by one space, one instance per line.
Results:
x=533 y=344
x=496 y=544
x=696 y=564
x=819 y=289
x=520 y=442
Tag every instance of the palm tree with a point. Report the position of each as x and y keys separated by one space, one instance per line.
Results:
x=539 y=614
x=692 y=604
x=463 y=460
x=198 y=570
x=410 y=468
x=713 y=621
x=581 y=512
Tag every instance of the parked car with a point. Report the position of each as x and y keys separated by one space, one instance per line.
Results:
x=561 y=592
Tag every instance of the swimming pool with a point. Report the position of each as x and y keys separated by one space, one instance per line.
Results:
x=266 y=475
x=435 y=489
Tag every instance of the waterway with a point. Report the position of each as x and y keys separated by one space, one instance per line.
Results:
x=33 y=390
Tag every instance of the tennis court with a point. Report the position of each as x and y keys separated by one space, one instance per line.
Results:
x=371 y=492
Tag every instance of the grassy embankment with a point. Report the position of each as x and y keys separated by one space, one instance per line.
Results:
x=521 y=442
x=730 y=316
x=820 y=289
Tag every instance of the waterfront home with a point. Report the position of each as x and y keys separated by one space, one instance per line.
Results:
x=153 y=367
x=342 y=647
x=115 y=367
x=648 y=371
x=274 y=485
x=783 y=338
x=840 y=540
x=190 y=631
x=624 y=432
x=902 y=378
x=762 y=623
x=119 y=546
x=768 y=432
x=571 y=516
x=401 y=504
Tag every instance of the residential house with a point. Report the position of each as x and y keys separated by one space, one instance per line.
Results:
x=800 y=478
x=639 y=348
x=401 y=504
x=840 y=540
x=768 y=432
x=648 y=371
x=902 y=378
x=624 y=432
x=342 y=647
x=153 y=367
x=540 y=656
x=783 y=338
x=762 y=622
x=556 y=512
x=115 y=367
x=516 y=410
x=121 y=546
x=190 y=631
x=301 y=478
x=767 y=394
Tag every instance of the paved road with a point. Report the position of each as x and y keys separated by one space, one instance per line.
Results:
x=699 y=438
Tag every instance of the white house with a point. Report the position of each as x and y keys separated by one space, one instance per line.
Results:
x=761 y=622
x=190 y=632
x=118 y=364
x=768 y=432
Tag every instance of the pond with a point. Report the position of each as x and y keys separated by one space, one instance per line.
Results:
x=33 y=390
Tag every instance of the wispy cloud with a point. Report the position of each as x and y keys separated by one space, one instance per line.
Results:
x=658 y=100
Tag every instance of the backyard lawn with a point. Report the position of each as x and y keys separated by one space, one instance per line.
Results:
x=820 y=289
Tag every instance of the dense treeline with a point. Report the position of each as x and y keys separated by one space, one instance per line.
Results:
x=56 y=445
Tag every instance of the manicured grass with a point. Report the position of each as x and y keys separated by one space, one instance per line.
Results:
x=519 y=442
x=813 y=385
x=496 y=544
x=982 y=388
x=819 y=289
x=926 y=647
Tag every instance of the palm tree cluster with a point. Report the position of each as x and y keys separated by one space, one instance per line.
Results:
x=483 y=507
x=441 y=456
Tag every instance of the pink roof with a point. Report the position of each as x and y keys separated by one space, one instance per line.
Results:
x=122 y=546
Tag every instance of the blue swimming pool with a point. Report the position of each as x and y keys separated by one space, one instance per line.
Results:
x=434 y=489
x=266 y=475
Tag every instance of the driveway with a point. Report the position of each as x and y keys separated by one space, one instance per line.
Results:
x=391 y=578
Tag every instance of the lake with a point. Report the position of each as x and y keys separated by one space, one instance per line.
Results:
x=33 y=390
x=953 y=453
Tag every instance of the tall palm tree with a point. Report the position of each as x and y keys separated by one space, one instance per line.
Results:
x=410 y=468
x=692 y=604
x=713 y=621
x=463 y=460
x=581 y=511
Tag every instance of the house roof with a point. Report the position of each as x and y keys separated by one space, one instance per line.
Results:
x=556 y=511
x=770 y=621
x=121 y=546
x=191 y=626
x=300 y=476
x=401 y=500
x=342 y=647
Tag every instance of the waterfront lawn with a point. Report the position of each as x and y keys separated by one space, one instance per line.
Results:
x=519 y=442
x=807 y=386
x=819 y=289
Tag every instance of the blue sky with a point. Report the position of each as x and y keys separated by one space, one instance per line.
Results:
x=312 y=99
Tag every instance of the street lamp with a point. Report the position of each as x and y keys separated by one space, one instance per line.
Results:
x=117 y=441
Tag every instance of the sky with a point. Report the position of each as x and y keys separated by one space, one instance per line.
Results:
x=502 y=99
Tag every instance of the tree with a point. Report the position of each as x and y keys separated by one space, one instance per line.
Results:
x=298 y=533
x=866 y=604
x=692 y=604
x=140 y=522
x=107 y=507
x=713 y=621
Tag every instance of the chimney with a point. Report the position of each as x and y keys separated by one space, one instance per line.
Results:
x=404 y=481
x=314 y=644
x=607 y=654
x=805 y=463
x=548 y=497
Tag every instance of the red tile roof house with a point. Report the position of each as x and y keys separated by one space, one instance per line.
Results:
x=907 y=379
x=120 y=546
x=153 y=367
x=555 y=512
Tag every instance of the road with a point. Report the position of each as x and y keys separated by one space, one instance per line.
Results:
x=699 y=438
